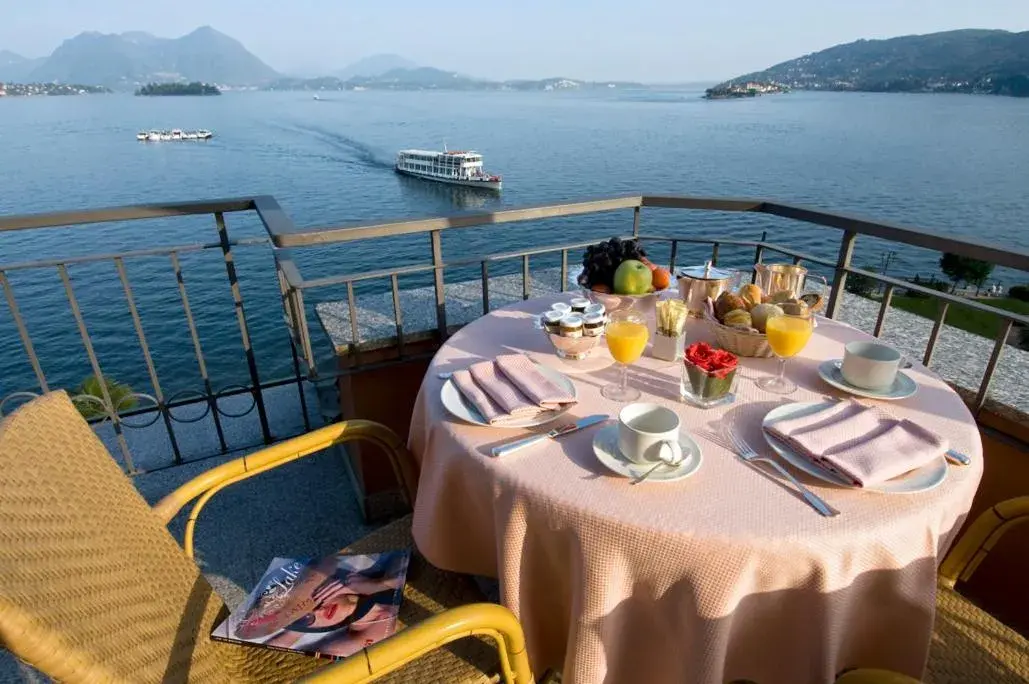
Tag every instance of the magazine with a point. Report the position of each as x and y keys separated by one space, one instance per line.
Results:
x=330 y=607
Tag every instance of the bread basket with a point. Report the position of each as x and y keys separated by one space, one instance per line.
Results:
x=740 y=342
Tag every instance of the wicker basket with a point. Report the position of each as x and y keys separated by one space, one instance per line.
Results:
x=740 y=342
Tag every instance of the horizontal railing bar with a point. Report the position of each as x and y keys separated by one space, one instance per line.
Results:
x=367 y=275
x=702 y=203
x=363 y=231
x=127 y=213
x=131 y=254
x=917 y=237
x=1004 y=314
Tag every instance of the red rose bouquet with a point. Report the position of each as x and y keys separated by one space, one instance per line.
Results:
x=709 y=373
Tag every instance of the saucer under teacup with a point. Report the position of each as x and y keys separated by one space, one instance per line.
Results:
x=605 y=446
x=902 y=388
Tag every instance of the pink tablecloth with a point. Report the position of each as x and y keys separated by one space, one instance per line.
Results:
x=725 y=575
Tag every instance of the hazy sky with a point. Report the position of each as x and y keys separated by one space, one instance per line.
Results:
x=646 y=40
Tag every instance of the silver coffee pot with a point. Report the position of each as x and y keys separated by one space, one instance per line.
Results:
x=698 y=283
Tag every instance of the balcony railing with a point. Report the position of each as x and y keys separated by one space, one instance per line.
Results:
x=299 y=294
x=171 y=408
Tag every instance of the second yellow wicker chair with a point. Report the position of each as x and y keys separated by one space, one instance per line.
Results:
x=93 y=587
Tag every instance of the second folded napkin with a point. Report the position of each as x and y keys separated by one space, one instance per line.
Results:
x=858 y=443
x=536 y=387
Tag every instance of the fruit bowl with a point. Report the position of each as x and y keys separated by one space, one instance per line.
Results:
x=644 y=303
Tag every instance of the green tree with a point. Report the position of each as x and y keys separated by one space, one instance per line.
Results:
x=861 y=284
x=961 y=269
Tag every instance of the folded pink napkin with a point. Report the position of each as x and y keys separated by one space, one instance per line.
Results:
x=491 y=412
x=858 y=443
x=536 y=387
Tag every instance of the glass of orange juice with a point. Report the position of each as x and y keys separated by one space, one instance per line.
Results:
x=787 y=336
x=626 y=336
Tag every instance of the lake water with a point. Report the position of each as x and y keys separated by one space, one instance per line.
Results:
x=955 y=164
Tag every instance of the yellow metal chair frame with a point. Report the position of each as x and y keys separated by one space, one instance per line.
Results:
x=484 y=619
x=980 y=538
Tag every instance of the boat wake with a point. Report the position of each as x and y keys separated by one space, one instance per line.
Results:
x=355 y=151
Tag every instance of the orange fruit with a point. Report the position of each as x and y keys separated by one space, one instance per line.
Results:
x=602 y=288
x=662 y=278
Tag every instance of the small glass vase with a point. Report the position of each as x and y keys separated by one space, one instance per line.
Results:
x=668 y=347
x=705 y=389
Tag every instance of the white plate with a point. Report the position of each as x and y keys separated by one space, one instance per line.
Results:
x=928 y=476
x=903 y=387
x=455 y=403
x=605 y=446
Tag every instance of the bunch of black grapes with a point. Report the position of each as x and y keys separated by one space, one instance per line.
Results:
x=601 y=260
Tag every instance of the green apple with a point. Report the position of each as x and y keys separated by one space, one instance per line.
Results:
x=633 y=278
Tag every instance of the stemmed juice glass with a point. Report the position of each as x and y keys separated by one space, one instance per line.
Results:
x=626 y=336
x=787 y=336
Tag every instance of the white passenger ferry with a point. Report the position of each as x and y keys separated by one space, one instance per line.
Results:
x=453 y=167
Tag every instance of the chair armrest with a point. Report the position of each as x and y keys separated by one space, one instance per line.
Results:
x=980 y=538
x=486 y=619
x=207 y=484
x=870 y=676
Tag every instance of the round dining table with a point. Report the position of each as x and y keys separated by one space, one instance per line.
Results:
x=727 y=574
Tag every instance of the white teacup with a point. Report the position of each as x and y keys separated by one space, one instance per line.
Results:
x=870 y=365
x=648 y=433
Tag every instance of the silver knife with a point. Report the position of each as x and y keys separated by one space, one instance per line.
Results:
x=958 y=457
x=505 y=449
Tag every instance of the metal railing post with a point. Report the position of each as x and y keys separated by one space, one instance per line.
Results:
x=759 y=254
x=880 y=322
x=23 y=332
x=119 y=263
x=842 y=264
x=636 y=222
x=525 y=277
x=398 y=314
x=714 y=253
x=564 y=270
x=244 y=330
x=671 y=258
x=935 y=334
x=294 y=336
x=198 y=351
x=94 y=363
x=998 y=347
x=485 y=287
x=438 y=284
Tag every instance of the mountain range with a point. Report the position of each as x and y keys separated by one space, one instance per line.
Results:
x=126 y=60
x=969 y=60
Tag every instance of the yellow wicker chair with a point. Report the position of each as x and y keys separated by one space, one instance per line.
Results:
x=968 y=645
x=93 y=587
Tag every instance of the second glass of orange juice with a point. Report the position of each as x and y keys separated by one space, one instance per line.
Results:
x=787 y=336
x=626 y=336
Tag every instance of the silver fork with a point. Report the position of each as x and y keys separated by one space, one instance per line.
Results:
x=750 y=456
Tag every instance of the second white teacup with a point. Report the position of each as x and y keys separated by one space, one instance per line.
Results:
x=644 y=430
x=870 y=365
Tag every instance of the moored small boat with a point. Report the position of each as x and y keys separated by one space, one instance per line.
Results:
x=174 y=134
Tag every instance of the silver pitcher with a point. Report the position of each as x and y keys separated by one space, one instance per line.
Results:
x=698 y=283
x=789 y=278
